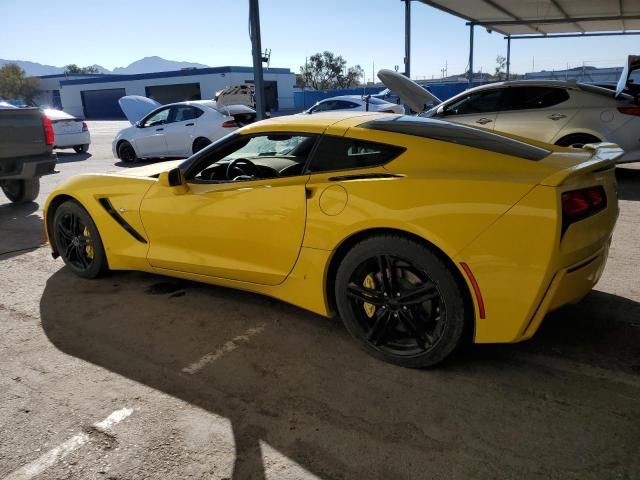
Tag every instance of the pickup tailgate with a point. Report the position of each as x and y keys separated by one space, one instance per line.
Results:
x=22 y=133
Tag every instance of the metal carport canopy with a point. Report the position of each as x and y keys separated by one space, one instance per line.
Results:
x=527 y=17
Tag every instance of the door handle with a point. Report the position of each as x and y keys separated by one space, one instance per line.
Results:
x=189 y=124
x=159 y=129
x=556 y=116
x=484 y=120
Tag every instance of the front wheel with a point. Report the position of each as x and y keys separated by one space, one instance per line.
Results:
x=77 y=240
x=400 y=301
x=22 y=190
x=126 y=153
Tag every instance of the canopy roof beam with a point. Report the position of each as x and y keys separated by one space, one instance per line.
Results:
x=550 y=21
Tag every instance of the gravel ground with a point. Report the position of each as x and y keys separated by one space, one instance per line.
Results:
x=138 y=376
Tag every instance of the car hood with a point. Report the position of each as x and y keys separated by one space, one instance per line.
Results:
x=135 y=107
x=152 y=170
x=633 y=64
x=409 y=91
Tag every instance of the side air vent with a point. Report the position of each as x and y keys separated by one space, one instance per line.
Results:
x=108 y=206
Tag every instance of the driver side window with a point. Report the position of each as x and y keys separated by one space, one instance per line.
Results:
x=158 y=118
x=255 y=157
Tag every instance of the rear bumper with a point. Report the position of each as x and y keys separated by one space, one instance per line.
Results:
x=569 y=286
x=29 y=167
x=69 y=140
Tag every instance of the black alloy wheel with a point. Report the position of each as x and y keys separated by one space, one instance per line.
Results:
x=127 y=153
x=77 y=240
x=401 y=303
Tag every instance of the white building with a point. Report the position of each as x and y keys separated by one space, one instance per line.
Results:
x=50 y=87
x=97 y=96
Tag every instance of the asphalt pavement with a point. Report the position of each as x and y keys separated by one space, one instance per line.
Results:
x=138 y=376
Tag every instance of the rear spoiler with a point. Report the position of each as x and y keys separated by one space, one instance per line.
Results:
x=603 y=157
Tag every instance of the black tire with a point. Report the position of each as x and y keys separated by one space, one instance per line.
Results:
x=77 y=240
x=19 y=191
x=200 y=143
x=395 y=325
x=577 y=140
x=81 y=148
x=126 y=153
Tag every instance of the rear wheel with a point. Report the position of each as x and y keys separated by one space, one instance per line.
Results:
x=126 y=153
x=400 y=301
x=577 y=140
x=22 y=190
x=81 y=148
x=200 y=143
x=77 y=240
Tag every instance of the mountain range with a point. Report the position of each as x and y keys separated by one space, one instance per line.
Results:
x=144 y=65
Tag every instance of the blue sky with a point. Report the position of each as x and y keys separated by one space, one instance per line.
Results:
x=114 y=33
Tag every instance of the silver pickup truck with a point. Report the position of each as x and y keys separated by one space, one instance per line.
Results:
x=26 y=141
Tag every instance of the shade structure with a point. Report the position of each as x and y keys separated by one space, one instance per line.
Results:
x=542 y=17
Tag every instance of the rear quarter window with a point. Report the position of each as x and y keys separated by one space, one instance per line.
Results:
x=340 y=153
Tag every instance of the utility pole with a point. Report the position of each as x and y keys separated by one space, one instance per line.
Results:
x=256 y=48
x=407 y=38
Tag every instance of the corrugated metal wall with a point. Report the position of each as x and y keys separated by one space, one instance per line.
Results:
x=307 y=98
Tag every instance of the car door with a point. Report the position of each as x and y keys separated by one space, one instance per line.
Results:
x=478 y=109
x=150 y=140
x=180 y=128
x=537 y=112
x=245 y=230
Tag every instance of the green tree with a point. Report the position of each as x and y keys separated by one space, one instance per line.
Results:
x=73 y=68
x=327 y=70
x=14 y=84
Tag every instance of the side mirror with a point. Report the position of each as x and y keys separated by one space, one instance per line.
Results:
x=440 y=111
x=173 y=179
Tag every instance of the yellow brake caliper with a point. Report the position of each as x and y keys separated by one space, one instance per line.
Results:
x=88 y=248
x=370 y=283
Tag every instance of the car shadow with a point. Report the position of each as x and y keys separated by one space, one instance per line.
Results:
x=304 y=388
x=628 y=183
x=21 y=229
x=68 y=157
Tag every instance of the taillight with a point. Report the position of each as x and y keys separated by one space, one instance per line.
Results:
x=84 y=127
x=579 y=204
x=630 y=111
x=229 y=124
x=48 y=131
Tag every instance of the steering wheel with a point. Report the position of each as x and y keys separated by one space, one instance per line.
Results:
x=248 y=168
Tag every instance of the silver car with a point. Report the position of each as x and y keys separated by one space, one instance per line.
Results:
x=562 y=112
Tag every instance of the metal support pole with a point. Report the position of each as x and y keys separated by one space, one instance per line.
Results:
x=508 y=55
x=256 y=48
x=471 y=55
x=407 y=38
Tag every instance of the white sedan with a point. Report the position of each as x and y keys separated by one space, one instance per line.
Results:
x=69 y=131
x=566 y=113
x=355 y=103
x=176 y=130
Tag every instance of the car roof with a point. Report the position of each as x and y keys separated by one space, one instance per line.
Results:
x=316 y=123
x=343 y=97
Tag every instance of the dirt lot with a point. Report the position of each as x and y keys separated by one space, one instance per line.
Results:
x=137 y=376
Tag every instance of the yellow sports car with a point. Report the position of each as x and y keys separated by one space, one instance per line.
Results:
x=418 y=233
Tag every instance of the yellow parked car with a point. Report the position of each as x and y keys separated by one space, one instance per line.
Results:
x=418 y=233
